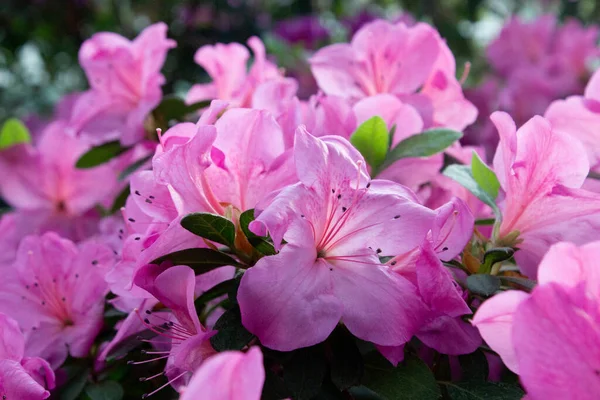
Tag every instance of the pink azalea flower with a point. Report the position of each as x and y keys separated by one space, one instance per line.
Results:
x=231 y=375
x=56 y=293
x=541 y=172
x=336 y=224
x=48 y=192
x=174 y=287
x=226 y=64
x=412 y=63
x=125 y=82
x=579 y=116
x=23 y=378
x=550 y=337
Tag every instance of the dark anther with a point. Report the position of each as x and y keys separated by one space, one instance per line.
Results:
x=393 y=263
x=152 y=197
x=64 y=299
x=301 y=215
x=43 y=303
x=146 y=320
x=76 y=275
x=332 y=190
x=136 y=238
x=130 y=219
x=94 y=262
x=121 y=231
x=397 y=216
x=378 y=251
x=339 y=196
x=368 y=185
x=444 y=249
x=148 y=201
x=148 y=312
x=344 y=209
x=137 y=193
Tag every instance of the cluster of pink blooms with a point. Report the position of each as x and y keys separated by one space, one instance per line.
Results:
x=385 y=251
x=533 y=63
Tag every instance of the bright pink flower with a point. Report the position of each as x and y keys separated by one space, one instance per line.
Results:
x=174 y=287
x=412 y=63
x=125 y=82
x=541 y=172
x=22 y=378
x=227 y=66
x=231 y=375
x=42 y=182
x=336 y=223
x=579 y=116
x=56 y=293
x=550 y=337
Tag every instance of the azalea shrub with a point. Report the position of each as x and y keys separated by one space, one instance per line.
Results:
x=390 y=236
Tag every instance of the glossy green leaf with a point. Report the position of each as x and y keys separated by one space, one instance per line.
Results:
x=100 y=154
x=120 y=200
x=305 y=372
x=484 y=176
x=424 y=144
x=13 y=132
x=174 y=108
x=259 y=243
x=346 y=363
x=201 y=260
x=371 y=139
x=462 y=174
x=129 y=343
x=483 y=390
x=218 y=290
x=482 y=284
x=231 y=334
x=210 y=226
x=108 y=390
x=412 y=379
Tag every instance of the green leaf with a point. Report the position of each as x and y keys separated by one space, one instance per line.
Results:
x=108 y=390
x=274 y=388
x=424 y=144
x=201 y=260
x=371 y=139
x=77 y=376
x=134 y=167
x=218 y=290
x=525 y=283
x=210 y=226
x=484 y=176
x=474 y=366
x=482 y=284
x=493 y=256
x=13 y=132
x=259 y=243
x=100 y=154
x=462 y=174
x=174 y=108
x=363 y=393
x=412 y=379
x=120 y=200
x=304 y=373
x=346 y=362
x=482 y=390
x=231 y=334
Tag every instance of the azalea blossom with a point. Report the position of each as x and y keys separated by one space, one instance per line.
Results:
x=174 y=287
x=550 y=337
x=230 y=375
x=55 y=290
x=125 y=82
x=412 y=63
x=227 y=66
x=23 y=378
x=541 y=172
x=333 y=221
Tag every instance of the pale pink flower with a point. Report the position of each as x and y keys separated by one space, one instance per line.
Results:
x=226 y=64
x=231 y=375
x=56 y=291
x=550 y=337
x=336 y=223
x=23 y=378
x=125 y=82
x=541 y=172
